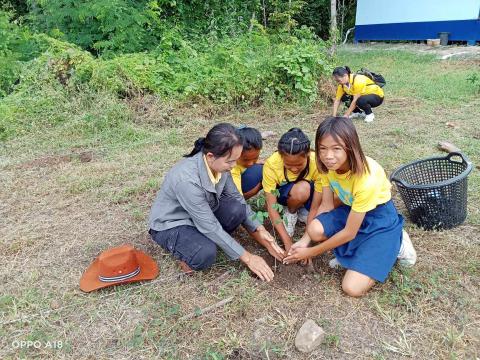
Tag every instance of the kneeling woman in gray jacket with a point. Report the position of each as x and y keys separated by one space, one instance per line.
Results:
x=198 y=206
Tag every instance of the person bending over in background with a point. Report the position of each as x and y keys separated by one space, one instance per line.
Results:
x=358 y=92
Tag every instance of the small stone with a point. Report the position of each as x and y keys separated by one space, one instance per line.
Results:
x=451 y=125
x=85 y=156
x=55 y=304
x=309 y=337
x=447 y=147
x=267 y=134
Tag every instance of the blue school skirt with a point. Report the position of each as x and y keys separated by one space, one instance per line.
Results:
x=374 y=250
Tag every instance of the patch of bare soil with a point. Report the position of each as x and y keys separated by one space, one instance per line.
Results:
x=298 y=278
x=242 y=354
x=54 y=160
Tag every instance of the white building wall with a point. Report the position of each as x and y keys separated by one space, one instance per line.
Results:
x=401 y=11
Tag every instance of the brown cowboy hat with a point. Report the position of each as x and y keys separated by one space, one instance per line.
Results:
x=119 y=265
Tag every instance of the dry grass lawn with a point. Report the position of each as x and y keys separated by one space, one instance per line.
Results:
x=60 y=208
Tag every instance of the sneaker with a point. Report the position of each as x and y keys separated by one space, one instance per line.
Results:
x=357 y=115
x=289 y=220
x=369 y=117
x=407 y=256
x=302 y=215
x=334 y=263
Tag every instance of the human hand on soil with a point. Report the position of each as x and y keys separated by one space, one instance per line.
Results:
x=258 y=266
x=276 y=251
x=287 y=248
x=307 y=262
x=297 y=254
x=271 y=245
x=302 y=243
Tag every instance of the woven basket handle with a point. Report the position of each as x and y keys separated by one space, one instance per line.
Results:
x=397 y=180
x=465 y=161
x=461 y=155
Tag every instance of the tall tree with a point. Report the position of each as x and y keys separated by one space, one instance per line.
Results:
x=333 y=26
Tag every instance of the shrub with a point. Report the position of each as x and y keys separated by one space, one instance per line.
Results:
x=100 y=26
x=246 y=69
x=18 y=46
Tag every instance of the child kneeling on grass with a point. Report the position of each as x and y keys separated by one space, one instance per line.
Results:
x=291 y=178
x=247 y=173
x=365 y=232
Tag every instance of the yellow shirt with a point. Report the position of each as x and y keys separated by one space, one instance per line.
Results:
x=273 y=173
x=361 y=85
x=215 y=179
x=237 y=172
x=362 y=193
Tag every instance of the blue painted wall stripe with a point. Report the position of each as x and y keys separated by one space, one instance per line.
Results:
x=461 y=30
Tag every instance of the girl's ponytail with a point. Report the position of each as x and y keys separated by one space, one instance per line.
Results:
x=197 y=147
x=341 y=71
x=219 y=141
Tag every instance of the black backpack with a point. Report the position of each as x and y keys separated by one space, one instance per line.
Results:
x=376 y=78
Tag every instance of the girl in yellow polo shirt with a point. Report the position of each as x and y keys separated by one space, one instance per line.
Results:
x=291 y=179
x=360 y=89
x=365 y=232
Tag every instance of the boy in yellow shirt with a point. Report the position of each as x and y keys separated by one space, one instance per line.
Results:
x=247 y=173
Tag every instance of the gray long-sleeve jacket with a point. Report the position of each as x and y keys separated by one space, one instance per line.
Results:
x=188 y=197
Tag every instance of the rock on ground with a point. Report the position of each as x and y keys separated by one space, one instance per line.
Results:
x=309 y=337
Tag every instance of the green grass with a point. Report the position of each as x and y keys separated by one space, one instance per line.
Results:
x=59 y=212
x=418 y=76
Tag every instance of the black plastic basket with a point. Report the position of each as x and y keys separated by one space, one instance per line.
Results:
x=434 y=190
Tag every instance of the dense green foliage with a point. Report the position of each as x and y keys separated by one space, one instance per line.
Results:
x=100 y=26
x=17 y=45
x=316 y=15
x=248 y=68
x=227 y=52
x=125 y=26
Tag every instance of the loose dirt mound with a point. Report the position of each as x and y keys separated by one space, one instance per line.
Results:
x=54 y=160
